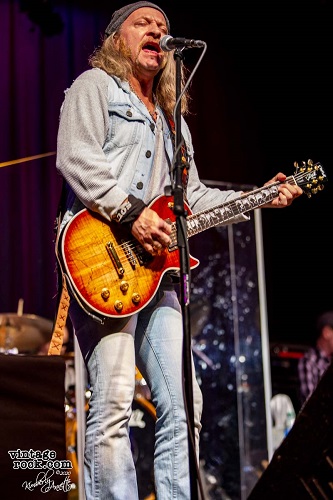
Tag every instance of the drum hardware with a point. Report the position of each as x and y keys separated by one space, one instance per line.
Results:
x=141 y=386
x=71 y=435
x=27 y=158
x=142 y=437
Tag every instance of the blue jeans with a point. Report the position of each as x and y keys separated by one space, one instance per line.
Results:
x=152 y=340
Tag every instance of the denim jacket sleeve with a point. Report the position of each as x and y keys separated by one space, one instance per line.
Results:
x=82 y=144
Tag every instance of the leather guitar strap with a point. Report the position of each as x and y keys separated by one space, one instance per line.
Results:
x=63 y=295
x=60 y=321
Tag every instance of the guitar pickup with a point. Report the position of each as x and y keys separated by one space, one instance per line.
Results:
x=115 y=259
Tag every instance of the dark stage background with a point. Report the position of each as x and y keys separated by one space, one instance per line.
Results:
x=262 y=99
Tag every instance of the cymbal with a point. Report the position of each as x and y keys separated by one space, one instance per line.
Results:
x=26 y=332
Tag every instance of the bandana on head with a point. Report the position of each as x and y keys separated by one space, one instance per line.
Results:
x=119 y=16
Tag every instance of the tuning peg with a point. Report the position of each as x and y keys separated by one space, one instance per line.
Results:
x=310 y=162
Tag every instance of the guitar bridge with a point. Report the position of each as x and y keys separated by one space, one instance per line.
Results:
x=115 y=259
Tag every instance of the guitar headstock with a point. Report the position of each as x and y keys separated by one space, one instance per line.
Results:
x=310 y=177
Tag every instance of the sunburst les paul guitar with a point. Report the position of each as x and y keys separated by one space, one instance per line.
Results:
x=111 y=274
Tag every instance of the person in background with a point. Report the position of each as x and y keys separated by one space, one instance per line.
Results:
x=115 y=152
x=317 y=358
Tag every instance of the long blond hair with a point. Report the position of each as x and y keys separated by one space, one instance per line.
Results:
x=115 y=62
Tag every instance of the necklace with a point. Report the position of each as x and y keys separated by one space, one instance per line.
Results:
x=152 y=112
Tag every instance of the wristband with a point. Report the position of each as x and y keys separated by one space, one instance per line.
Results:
x=129 y=211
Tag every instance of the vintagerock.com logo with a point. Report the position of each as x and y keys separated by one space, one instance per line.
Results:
x=54 y=474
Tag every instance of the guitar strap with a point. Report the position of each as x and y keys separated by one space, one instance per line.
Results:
x=184 y=155
x=63 y=295
x=60 y=321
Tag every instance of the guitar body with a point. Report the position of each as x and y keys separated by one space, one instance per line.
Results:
x=108 y=270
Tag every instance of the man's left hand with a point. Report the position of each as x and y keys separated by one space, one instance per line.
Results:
x=287 y=192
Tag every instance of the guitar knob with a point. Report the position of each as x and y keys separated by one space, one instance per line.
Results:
x=136 y=298
x=105 y=294
x=118 y=305
x=124 y=286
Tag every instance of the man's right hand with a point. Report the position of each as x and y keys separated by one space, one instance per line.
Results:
x=151 y=231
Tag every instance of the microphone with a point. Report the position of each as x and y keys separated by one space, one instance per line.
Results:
x=167 y=43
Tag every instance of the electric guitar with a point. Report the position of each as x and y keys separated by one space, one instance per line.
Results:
x=110 y=273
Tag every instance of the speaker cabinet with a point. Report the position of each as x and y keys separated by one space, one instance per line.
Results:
x=32 y=428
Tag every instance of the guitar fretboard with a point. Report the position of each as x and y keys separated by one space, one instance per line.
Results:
x=196 y=223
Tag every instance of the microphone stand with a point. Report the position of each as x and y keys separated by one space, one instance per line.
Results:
x=182 y=241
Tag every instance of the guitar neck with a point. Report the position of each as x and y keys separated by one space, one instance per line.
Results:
x=221 y=214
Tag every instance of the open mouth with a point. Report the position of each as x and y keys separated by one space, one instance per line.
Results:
x=151 y=47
